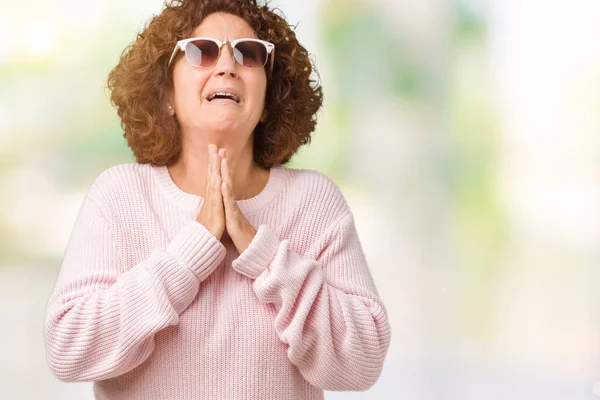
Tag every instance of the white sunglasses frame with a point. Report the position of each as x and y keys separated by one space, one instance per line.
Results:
x=182 y=43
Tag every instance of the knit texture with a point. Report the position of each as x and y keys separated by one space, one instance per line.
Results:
x=148 y=304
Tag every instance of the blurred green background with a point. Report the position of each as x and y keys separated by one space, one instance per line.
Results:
x=465 y=135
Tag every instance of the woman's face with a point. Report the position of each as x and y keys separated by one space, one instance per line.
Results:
x=193 y=84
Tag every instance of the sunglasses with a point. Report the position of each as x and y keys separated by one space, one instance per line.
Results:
x=204 y=52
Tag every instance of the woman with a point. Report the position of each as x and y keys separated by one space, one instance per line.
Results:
x=167 y=290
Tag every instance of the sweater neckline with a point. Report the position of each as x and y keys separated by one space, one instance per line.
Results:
x=192 y=201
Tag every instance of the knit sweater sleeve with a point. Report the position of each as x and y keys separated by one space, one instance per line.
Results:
x=100 y=321
x=328 y=310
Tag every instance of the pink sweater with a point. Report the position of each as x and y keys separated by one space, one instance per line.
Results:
x=149 y=305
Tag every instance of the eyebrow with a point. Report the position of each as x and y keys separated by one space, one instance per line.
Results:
x=254 y=35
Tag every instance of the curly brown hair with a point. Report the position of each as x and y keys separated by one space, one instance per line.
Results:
x=141 y=82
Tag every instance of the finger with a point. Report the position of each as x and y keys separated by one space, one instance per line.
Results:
x=216 y=171
x=210 y=176
x=225 y=172
x=216 y=189
x=217 y=165
x=217 y=201
x=226 y=198
x=228 y=194
x=222 y=154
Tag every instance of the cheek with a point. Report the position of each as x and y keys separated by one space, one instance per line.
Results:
x=188 y=85
x=259 y=87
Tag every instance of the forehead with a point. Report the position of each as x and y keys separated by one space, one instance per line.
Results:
x=224 y=26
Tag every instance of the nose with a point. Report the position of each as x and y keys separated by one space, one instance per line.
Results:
x=226 y=64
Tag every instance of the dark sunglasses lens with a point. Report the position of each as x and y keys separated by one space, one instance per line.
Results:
x=250 y=54
x=202 y=53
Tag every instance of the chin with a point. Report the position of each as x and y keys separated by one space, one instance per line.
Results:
x=224 y=125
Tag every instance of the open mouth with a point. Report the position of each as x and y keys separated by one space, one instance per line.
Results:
x=223 y=95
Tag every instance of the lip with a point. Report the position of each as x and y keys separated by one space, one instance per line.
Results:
x=226 y=89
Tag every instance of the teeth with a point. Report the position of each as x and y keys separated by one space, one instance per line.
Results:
x=224 y=94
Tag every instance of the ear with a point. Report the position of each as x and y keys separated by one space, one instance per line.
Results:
x=170 y=109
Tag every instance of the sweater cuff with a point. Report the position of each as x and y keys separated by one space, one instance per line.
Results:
x=198 y=248
x=259 y=254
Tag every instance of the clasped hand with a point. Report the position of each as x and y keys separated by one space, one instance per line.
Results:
x=220 y=211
